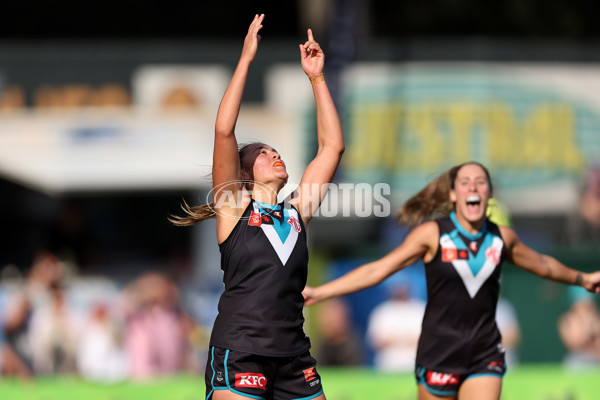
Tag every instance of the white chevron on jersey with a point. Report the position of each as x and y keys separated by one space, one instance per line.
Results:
x=473 y=282
x=283 y=249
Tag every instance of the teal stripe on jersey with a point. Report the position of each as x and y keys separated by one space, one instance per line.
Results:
x=280 y=224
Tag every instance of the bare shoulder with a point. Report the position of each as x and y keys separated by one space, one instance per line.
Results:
x=305 y=209
x=227 y=218
x=508 y=235
x=428 y=230
x=426 y=236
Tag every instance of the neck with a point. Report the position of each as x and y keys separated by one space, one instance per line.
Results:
x=472 y=227
x=264 y=195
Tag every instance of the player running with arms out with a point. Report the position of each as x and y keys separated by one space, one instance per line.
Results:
x=459 y=355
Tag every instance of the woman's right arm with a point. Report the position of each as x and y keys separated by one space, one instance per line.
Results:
x=421 y=243
x=226 y=164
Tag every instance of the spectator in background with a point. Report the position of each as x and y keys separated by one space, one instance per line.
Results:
x=15 y=328
x=339 y=344
x=579 y=329
x=54 y=333
x=10 y=362
x=101 y=355
x=394 y=328
x=155 y=338
x=46 y=271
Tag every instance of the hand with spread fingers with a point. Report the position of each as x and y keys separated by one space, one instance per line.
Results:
x=312 y=56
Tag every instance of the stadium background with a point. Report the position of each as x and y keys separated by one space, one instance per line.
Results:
x=513 y=85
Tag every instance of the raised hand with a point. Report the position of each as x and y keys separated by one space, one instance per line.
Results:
x=252 y=38
x=312 y=56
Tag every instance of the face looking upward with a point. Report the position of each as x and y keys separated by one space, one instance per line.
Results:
x=267 y=166
x=470 y=194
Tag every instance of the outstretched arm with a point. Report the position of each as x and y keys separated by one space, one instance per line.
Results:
x=225 y=157
x=330 y=141
x=421 y=243
x=546 y=266
x=226 y=164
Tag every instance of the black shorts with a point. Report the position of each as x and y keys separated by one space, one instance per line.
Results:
x=261 y=377
x=447 y=384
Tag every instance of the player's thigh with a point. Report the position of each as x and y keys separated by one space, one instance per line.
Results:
x=480 y=388
x=424 y=394
x=227 y=395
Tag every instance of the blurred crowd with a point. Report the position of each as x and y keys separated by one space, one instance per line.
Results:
x=94 y=329
x=53 y=324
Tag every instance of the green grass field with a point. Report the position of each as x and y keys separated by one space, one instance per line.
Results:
x=531 y=382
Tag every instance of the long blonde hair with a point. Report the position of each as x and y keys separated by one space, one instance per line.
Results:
x=433 y=201
x=195 y=214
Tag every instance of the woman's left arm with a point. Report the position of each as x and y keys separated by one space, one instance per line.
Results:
x=546 y=266
x=320 y=171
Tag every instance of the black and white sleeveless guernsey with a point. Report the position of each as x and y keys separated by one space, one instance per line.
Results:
x=265 y=264
x=459 y=325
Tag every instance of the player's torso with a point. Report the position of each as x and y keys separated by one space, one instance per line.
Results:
x=264 y=262
x=462 y=289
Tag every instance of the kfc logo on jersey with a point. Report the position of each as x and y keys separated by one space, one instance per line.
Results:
x=254 y=219
x=450 y=254
x=310 y=374
x=294 y=223
x=251 y=380
x=493 y=254
x=440 y=378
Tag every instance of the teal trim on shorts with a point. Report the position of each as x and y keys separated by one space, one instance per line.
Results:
x=212 y=360
x=311 y=397
x=437 y=392
x=485 y=374
x=229 y=385
x=225 y=366
x=421 y=381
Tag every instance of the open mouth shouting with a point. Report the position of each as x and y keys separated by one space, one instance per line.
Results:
x=473 y=203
